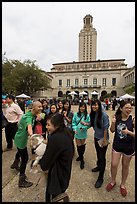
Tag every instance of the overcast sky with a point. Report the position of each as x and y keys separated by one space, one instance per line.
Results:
x=48 y=31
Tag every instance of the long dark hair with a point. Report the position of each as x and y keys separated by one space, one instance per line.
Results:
x=85 y=111
x=57 y=120
x=99 y=115
x=53 y=104
x=118 y=113
x=69 y=108
x=58 y=104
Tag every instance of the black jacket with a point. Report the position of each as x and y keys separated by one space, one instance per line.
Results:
x=58 y=160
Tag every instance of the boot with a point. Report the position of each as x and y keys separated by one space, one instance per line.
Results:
x=23 y=183
x=82 y=164
x=82 y=150
x=78 y=150
x=15 y=164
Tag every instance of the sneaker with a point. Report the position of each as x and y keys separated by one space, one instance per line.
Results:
x=23 y=182
x=110 y=186
x=96 y=169
x=15 y=165
x=123 y=191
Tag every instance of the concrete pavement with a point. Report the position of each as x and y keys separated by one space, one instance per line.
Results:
x=81 y=188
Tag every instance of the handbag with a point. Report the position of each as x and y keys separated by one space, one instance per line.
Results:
x=4 y=121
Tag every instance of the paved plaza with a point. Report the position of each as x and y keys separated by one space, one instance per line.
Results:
x=81 y=188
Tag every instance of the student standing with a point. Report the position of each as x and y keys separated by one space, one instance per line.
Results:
x=53 y=109
x=60 y=106
x=25 y=129
x=80 y=125
x=67 y=113
x=57 y=158
x=100 y=123
x=45 y=106
x=13 y=115
x=122 y=125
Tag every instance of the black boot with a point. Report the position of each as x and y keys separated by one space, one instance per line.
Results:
x=82 y=164
x=82 y=150
x=15 y=164
x=23 y=183
x=78 y=150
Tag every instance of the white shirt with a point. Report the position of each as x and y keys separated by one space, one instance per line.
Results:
x=13 y=113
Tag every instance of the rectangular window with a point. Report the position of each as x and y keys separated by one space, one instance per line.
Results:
x=95 y=81
x=76 y=82
x=68 y=82
x=104 y=82
x=85 y=82
x=113 y=81
x=60 y=82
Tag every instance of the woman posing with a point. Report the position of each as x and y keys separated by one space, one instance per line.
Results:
x=58 y=156
x=100 y=123
x=45 y=106
x=60 y=106
x=53 y=109
x=123 y=144
x=80 y=125
x=68 y=114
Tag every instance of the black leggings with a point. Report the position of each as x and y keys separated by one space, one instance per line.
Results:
x=23 y=153
x=101 y=156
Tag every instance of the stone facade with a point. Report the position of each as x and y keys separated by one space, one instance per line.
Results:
x=102 y=76
x=87 y=41
x=88 y=74
x=129 y=77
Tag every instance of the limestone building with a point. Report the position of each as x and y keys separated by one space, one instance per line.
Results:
x=88 y=74
x=87 y=41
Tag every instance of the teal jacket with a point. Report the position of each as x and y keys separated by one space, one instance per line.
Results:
x=80 y=128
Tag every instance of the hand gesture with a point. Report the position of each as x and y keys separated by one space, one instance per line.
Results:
x=65 y=113
x=38 y=118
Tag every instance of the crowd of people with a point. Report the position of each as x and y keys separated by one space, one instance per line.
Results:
x=63 y=130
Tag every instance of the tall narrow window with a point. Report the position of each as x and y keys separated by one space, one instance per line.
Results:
x=85 y=82
x=60 y=82
x=113 y=81
x=68 y=82
x=95 y=81
x=76 y=82
x=104 y=82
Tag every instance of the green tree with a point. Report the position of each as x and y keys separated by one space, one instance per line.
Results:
x=18 y=77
